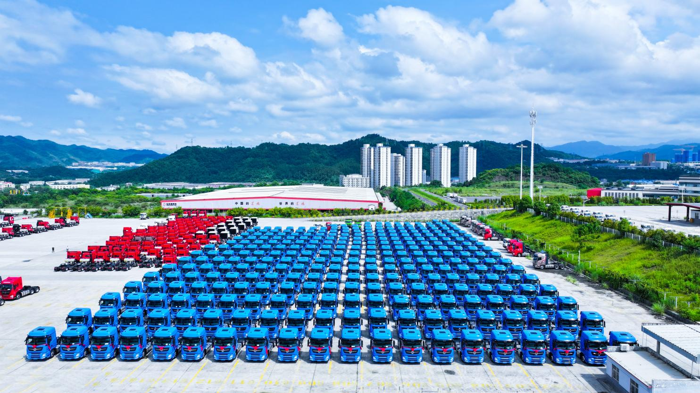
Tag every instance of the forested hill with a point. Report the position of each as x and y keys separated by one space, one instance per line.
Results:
x=17 y=152
x=305 y=162
x=543 y=172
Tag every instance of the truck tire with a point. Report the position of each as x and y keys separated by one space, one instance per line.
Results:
x=19 y=296
x=37 y=289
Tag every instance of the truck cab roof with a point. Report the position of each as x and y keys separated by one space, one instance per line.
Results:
x=320 y=333
x=433 y=314
x=494 y=299
x=501 y=335
x=105 y=331
x=590 y=335
x=561 y=335
x=622 y=337
x=442 y=334
x=532 y=335
x=194 y=332
x=412 y=334
x=537 y=315
x=324 y=314
x=407 y=314
x=225 y=332
x=297 y=314
x=351 y=334
x=257 y=333
x=566 y=300
x=185 y=313
x=241 y=313
x=133 y=313
x=566 y=315
x=591 y=315
x=165 y=332
x=159 y=313
x=75 y=331
x=485 y=314
x=288 y=333
x=544 y=300
x=42 y=331
x=376 y=313
x=80 y=312
x=381 y=334
x=213 y=313
x=106 y=312
x=351 y=313
x=458 y=314
x=512 y=315
x=134 y=331
x=471 y=334
x=472 y=299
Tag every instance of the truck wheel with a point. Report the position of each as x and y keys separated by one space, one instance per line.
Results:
x=19 y=296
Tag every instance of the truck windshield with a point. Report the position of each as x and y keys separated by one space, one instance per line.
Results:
x=183 y=321
x=546 y=307
x=240 y=291
x=227 y=304
x=175 y=290
x=351 y=304
x=76 y=320
x=268 y=321
x=496 y=306
x=597 y=345
x=375 y=304
x=262 y=290
x=539 y=322
x=327 y=303
x=129 y=341
x=473 y=343
x=486 y=322
x=100 y=341
x=504 y=344
x=178 y=304
x=130 y=289
x=564 y=345
x=417 y=291
x=239 y=321
x=210 y=322
x=252 y=304
x=204 y=304
x=70 y=340
x=197 y=290
x=162 y=341
x=377 y=321
x=295 y=322
x=287 y=291
x=473 y=306
x=102 y=320
x=459 y=292
x=528 y=292
x=277 y=304
x=568 y=323
x=318 y=342
x=458 y=322
x=36 y=340
x=448 y=306
x=256 y=342
x=128 y=321
x=594 y=324
x=438 y=292
x=324 y=322
x=303 y=304
x=108 y=302
x=568 y=307
x=442 y=344
x=132 y=303
x=407 y=322
x=191 y=341
x=347 y=342
x=412 y=343
x=534 y=344
x=382 y=343
x=550 y=293
x=223 y=342
x=514 y=322
x=156 y=321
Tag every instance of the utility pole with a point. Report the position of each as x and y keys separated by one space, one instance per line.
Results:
x=521 y=147
x=533 y=121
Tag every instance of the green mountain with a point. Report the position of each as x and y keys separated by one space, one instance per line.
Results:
x=17 y=152
x=305 y=162
x=544 y=172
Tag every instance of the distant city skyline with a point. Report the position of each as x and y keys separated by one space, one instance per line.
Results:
x=222 y=73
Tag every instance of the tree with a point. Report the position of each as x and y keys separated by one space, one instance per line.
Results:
x=524 y=204
x=586 y=233
x=131 y=211
x=539 y=207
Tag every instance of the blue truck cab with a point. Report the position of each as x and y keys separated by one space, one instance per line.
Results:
x=505 y=291
x=112 y=300
x=150 y=277
x=212 y=320
x=203 y=303
x=566 y=320
x=375 y=300
x=351 y=301
x=411 y=345
x=381 y=345
x=324 y=319
x=520 y=304
x=502 y=347
x=269 y=320
x=617 y=338
x=288 y=345
x=442 y=349
x=227 y=305
x=219 y=289
x=320 y=342
x=166 y=343
x=41 y=343
x=75 y=343
x=296 y=319
x=104 y=343
x=329 y=302
x=547 y=305
x=496 y=304
x=133 y=343
x=533 y=347
x=399 y=303
x=514 y=322
x=351 y=319
x=562 y=347
x=185 y=318
x=176 y=288
x=80 y=316
x=486 y=322
x=457 y=321
x=241 y=321
x=105 y=317
x=538 y=320
x=472 y=304
x=278 y=303
x=135 y=300
x=157 y=300
x=131 y=318
x=257 y=345
x=592 y=321
x=377 y=319
x=424 y=303
x=407 y=319
x=157 y=318
x=263 y=289
x=472 y=280
x=567 y=303
x=132 y=287
x=483 y=290
x=194 y=345
x=531 y=279
x=350 y=345
x=306 y=303
x=433 y=320
x=549 y=290
x=447 y=303
x=529 y=291
x=225 y=344
x=593 y=349
x=240 y=289
x=471 y=346
x=199 y=288
x=154 y=287
x=288 y=289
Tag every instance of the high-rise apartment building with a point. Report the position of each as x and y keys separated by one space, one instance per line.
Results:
x=382 y=167
x=414 y=165
x=467 y=163
x=398 y=170
x=648 y=158
x=440 y=164
x=367 y=160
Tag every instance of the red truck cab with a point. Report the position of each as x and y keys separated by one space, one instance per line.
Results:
x=8 y=218
x=11 y=288
x=29 y=228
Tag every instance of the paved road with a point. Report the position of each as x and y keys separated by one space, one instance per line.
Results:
x=446 y=199
x=416 y=216
x=423 y=199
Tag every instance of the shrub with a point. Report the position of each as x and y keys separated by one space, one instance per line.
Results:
x=658 y=308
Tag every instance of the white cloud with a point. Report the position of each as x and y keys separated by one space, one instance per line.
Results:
x=55 y=132
x=321 y=27
x=76 y=131
x=276 y=110
x=235 y=129
x=142 y=126
x=242 y=105
x=209 y=123
x=80 y=97
x=11 y=119
x=26 y=124
x=148 y=111
x=120 y=118
x=146 y=134
x=80 y=123
x=166 y=84
x=284 y=135
x=176 y=122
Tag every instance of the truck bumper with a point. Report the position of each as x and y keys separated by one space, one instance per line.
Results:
x=71 y=355
x=319 y=357
x=288 y=357
x=473 y=359
x=102 y=355
x=443 y=359
x=412 y=357
x=502 y=359
x=382 y=357
x=192 y=356
x=38 y=355
x=131 y=355
x=224 y=356
x=164 y=355
x=256 y=356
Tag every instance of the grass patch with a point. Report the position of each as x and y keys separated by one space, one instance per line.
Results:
x=511 y=188
x=428 y=196
x=643 y=270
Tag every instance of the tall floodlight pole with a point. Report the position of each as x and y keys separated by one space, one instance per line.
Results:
x=521 y=147
x=533 y=121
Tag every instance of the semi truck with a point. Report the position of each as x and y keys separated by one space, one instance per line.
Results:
x=104 y=343
x=41 y=343
x=226 y=344
x=11 y=288
x=350 y=345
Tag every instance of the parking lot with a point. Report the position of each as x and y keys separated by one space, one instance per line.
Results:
x=656 y=216
x=31 y=258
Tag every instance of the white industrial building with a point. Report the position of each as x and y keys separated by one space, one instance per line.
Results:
x=68 y=184
x=414 y=165
x=306 y=197
x=398 y=170
x=355 y=181
x=440 y=164
x=467 y=163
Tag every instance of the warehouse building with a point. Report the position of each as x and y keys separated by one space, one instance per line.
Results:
x=306 y=197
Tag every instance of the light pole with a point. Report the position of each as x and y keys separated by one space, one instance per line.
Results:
x=521 y=147
x=533 y=121
x=540 y=187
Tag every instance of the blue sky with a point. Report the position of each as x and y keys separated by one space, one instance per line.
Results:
x=162 y=74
